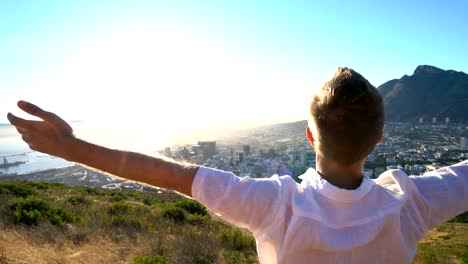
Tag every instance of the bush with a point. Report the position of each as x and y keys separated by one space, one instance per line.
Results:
x=43 y=185
x=31 y=217
x=238 y=257
x=119 y=209
x=93 y=191
x=78 y=200
x=147 y=259
x=117 y=197
x=59 y=217
x=31 y=210
x=462 y=218
x=16 y=189
x=149 y=201
x=192 y=207
x=237 y=240
x=175 y=214
x=204 y=258
x=195 y=219
x=125 y=221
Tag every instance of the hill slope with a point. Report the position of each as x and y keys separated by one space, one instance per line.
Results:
x=55 y=223
x=429 y=92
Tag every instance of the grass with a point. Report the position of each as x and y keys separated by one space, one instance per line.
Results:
x=448 y=243
x=54 y=223
x=143 y=227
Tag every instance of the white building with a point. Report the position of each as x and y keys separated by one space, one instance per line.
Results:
x=434 y=119
x=463 y=143
x=447 y=120
x=421 y=120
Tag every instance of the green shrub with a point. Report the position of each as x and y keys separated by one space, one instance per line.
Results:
x=149 y=201
x=16 y=189
x=119 y=208
x=31 y=217
x=93 y=191
x=43 y=185
x=78 y=200
x=237 y=240
x=192 y=207
x=125 y=221
x=117 y=197
x=462 y=218
x=204 y=258
x=59 y=217
x=175 y=214
x=147 y=259
x=31 y=210
x=238 y=257
x=136 y=196
x=196 y=219
x=463 y=256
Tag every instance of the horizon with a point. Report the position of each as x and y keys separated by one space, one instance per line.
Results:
x=182 y=67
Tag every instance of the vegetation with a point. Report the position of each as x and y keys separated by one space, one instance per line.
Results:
x=65 y=224
x=448 y=243
x=154 y=227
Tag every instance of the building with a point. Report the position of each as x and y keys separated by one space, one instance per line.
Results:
x=208 y=148
x=421 y=120
x=168 y=152
x=241 y=156
x=434 y=119
x=5 y=161
x=247 y=150
x=447 y=120
x=463 y=143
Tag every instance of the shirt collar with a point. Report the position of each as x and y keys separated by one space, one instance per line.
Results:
x=312 y=179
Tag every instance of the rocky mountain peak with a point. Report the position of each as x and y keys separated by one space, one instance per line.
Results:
x=427 y=69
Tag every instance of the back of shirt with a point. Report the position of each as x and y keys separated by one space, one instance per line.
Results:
x=316 y=222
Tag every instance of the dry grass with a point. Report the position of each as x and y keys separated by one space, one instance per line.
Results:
x=446 y=244
x=18 y=245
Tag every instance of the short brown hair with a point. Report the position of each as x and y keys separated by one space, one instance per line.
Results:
x=348 y=115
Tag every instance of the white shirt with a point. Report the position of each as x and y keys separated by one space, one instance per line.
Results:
x=316 y=222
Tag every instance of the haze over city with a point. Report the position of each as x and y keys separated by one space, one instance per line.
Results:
x=155 y=67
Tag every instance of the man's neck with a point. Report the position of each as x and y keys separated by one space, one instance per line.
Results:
x=344 y=177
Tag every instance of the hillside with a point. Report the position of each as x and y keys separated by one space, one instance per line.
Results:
x=429 y=92
x=55 y=223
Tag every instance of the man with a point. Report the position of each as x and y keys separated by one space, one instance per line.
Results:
x=335 y=215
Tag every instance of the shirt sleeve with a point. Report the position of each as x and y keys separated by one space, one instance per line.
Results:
x=444 y=191
x=247 y=202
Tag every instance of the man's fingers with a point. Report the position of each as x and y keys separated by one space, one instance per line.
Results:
x=17 y=121
x=33 y=109
x=25 y=138
x=49 y=117
x=22 y=124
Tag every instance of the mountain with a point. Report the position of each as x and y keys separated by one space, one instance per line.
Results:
x=429 y=92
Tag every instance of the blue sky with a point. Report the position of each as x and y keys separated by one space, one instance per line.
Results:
x=197 y=64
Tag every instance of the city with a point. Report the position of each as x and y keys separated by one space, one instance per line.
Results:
x=284 y=149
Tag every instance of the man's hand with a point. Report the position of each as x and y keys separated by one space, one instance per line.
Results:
x=50 y=136
x=55 y=137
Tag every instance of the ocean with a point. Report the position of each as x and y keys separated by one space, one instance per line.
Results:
x=13 y=149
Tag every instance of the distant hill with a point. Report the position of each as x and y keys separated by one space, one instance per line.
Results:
x=429 y=92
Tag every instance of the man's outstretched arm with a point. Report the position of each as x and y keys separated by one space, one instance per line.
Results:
x=55 y=137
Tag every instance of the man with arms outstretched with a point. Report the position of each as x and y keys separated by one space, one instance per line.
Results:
x=335 y=215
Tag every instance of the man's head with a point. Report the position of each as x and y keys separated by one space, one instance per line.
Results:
x=346 y=118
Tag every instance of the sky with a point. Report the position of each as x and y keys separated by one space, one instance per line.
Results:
x=167 y=67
